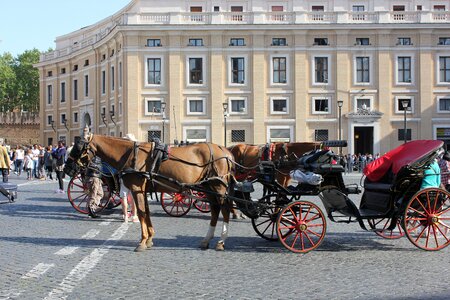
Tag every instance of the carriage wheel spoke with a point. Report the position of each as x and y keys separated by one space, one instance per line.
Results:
x=415 y=210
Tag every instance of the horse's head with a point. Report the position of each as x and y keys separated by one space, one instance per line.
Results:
x=79 y=156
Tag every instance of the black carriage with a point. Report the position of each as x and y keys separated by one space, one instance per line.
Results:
x=392 y=204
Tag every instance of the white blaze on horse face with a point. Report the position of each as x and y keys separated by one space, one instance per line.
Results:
x=224 y=234
x=86 y=133
x=210 y=233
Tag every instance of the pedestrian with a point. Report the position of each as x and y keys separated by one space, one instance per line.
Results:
x=18 y=159
x=35 y=156
x=444 y=165
x=343 y=162
x=41 y=163
x=59 y=155
x=95 y=186
x=5 y=162
x=28 y=164
x=432 y=176
x=127 y=200
x=48 y=162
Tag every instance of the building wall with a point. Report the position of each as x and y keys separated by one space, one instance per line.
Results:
x=125 y=45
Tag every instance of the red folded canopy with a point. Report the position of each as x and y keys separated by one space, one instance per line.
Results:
x=399 y=157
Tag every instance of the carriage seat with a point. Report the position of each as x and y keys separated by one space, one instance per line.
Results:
x=378 y=186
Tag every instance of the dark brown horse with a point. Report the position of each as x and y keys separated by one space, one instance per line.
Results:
x=284 y=155
x=201 y=166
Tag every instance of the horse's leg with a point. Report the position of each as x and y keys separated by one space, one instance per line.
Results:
x=140 y=204
x=226 y=209
x=150 y=229
x=215 y=210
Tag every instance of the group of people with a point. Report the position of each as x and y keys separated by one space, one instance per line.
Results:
x=357 y=162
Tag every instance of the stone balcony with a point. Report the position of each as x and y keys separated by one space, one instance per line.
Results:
x=96 y=32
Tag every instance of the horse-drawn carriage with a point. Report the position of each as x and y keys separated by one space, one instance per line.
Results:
x=391 y=199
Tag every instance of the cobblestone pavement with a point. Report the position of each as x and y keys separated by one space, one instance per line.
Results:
x=49 y=251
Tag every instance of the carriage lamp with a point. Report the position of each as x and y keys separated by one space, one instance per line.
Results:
x=111 y=116
x=405 y=105
x=52 y=123
x=103 y=116
x=64 y=121
x=340 y=103
x=163 y=109
x=225 y=114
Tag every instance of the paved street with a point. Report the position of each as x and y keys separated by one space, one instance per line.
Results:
x=49 y=251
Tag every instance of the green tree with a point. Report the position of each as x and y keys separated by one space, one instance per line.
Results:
x=19 y=81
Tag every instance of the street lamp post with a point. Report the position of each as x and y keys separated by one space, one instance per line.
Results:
x=340 y=103
x=405 y=104
x=225 y=114
x=163 y=109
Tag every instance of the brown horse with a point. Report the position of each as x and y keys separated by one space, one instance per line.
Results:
x=284 y=155
x=201 y=166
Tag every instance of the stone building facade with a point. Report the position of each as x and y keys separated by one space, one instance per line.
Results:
x=255 y=72
x=18 y=128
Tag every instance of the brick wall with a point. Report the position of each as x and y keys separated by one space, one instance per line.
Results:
x=19 y=128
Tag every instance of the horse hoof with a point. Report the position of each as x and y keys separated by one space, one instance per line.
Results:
x=140 y=248
x=204 y=245
x=220 y=246
x=149 y=244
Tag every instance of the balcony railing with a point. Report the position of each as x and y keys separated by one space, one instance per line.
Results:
x=92 y=35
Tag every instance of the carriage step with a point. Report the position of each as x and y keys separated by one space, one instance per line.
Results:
x=371 y=214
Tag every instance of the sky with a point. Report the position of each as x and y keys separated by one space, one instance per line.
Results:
x=28 y=24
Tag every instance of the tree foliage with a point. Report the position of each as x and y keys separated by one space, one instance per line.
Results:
x=19 y=81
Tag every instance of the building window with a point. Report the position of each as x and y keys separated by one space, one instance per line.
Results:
x=196 y=134
x=49 y=94
x=63 y=92
x=363 y=104
x=279 y=105
x=75 y=68
x=404 y=41
x=444 y=41
x=321 y=69
x=439 y=7
x=279 y=70
x=103 y=82
x=154 y=71
x=196 y=70
x=49 y=120
x=49 y=73
x=358 y=8
x=237 y=13
x=195 y=42
x=237 y=70
x=404 y=69
x=238 y=136
x=398 y=8
x=279 y=17
x=86 y=62
x=238 y=105
x=154 y=43
x=279 y=134
x=75 y=117
x=362 y=42
x=401 y=136
x=321 y=105
x=399 y=104
x=321 y=135
x=152 y=106
x=75 y=89
x=419 y=7
x=152 y=135
x=120 y=75
x=320 y=42
x=63 y=70
x=279 y=42
x=444 y=104
x=63 y=118
x=113 y=78
x=237 y=42
x=444 y=69
x=86 y=85
x=196 y=106
x=362 y=70
x=216 y=8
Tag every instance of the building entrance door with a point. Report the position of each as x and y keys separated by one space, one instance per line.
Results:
x=363 y=140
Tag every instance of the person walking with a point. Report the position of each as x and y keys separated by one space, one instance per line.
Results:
x=28 y=164
x=35 y=156
x=18 y=159
x=5 y=163
x=59 y=155
x=48 y=162
x=94 y=176
x=444 y=165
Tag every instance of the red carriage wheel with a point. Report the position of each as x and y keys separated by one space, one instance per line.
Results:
x=265 y=224
x=176 y=204
x=427 y=219
x=301 y=226
x=77 y=192
x=202 y=206
x=380 y=226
